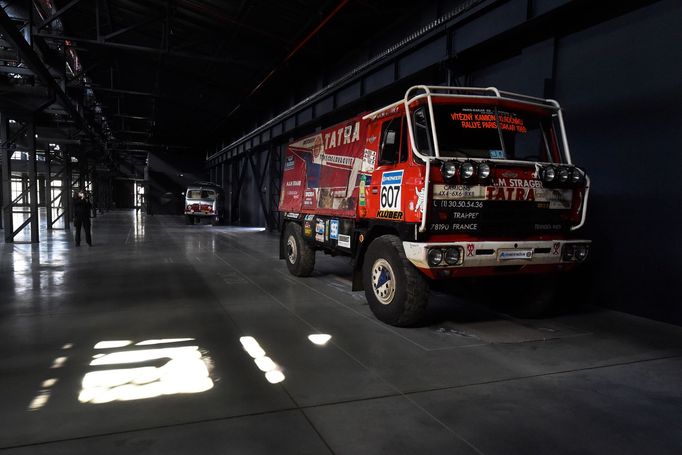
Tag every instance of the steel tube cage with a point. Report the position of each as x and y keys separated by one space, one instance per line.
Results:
x=472 y=93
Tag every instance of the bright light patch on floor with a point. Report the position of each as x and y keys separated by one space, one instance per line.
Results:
x=273 y=373
x=58 y=362
x=265 y=364
x=40 y=400
x=252 y=347
x=164 y=341
x=274 y=377
x=47 y=383
x=184 y=370
x=113 y=344
x=67 y=346
x=320 y=339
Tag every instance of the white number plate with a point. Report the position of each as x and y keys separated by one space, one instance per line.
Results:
x=506 y=255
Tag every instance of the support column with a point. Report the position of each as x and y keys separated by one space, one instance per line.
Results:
x=33 y=184
x=67 y=191
x=48 y=188
x=5 y=159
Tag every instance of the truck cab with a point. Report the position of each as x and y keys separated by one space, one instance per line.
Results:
x=458 y=182
x=204 y=200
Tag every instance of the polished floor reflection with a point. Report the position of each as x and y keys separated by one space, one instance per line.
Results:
x=167 y=338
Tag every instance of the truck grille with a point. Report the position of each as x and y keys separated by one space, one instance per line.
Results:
x=498 y=218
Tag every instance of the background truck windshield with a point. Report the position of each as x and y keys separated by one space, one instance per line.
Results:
x=200 y=194
x=472 y=132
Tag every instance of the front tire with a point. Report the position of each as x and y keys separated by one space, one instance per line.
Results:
x=300 y=256
x=189 y=219
x=396 y=291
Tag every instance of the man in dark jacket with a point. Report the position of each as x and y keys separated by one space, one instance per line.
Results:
x=81 y=217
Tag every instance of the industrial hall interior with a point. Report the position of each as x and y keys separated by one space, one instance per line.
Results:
x=340 y=227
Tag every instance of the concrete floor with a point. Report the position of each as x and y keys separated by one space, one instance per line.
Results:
x=181 y=300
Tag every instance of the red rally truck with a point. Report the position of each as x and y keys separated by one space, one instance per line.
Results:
x=448 y=183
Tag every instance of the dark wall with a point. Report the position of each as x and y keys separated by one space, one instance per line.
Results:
x=122 y=196
x=619 y=83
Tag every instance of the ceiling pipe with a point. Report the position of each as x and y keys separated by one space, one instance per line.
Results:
x=301 y=44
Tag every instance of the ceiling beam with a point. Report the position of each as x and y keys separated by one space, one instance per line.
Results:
x=149 y=50
x=33 y=61
x=59 y=13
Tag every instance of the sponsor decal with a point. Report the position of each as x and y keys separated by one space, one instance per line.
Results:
x=504 y=189
x=518 y=183
x=497 y=155
x=289 y=165
x=309 y=198
x=307 y=229
x=486 y=119
x=390 y=190
x=326 y=230
x=293 y=183
x=465 y=226
x=441 y=192
x=390 y=215
x=344 y=241
x=555 y=248
x=369 y=160
x=505 y=255
x=319 y=230
x=342 y=136
x=470 y=249
x=547 y=227
x=309 y=217
x=291 y=215
x=465 y=215
x=421 y=197
x=510 y=194
x=334 y=229
x=362 y=189
x=445 y=204
x=338 y=160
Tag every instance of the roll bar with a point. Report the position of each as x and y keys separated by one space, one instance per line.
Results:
x=427 y=92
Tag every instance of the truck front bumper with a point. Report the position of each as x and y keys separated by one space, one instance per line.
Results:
x=494 y=255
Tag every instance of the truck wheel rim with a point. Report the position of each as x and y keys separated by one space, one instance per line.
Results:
x=383 y=281
x=291 y=249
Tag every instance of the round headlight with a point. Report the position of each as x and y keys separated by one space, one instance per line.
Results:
x=467 y=170
x=562 y=175
x=576 y=175
x=580 y=253
x=448 y=169
x=435 y=257
x=548 y=174
x=483 y=171
x=452 y=256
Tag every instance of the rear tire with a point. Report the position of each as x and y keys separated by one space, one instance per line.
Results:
x=299 y=255
x=396 y=291
x=189 y=219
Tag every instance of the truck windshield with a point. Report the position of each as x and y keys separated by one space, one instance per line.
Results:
x=200 y=194
x=486 y=133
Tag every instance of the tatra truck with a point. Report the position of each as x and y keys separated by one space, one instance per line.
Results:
x=448 y=183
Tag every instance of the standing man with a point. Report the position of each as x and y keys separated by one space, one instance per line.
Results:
x=81 y=217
